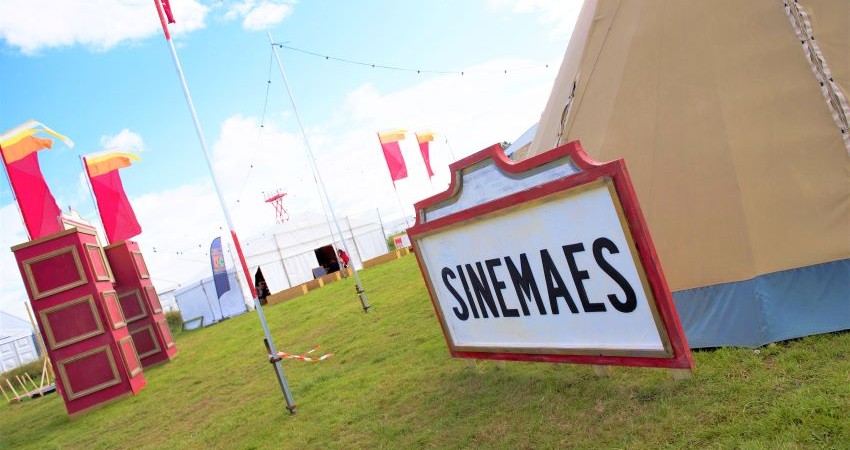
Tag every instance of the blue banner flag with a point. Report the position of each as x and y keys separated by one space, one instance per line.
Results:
x=222 y=284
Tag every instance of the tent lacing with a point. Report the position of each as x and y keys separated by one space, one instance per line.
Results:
x=835 y=98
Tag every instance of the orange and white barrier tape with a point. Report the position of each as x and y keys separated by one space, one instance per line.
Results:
x=304 y=357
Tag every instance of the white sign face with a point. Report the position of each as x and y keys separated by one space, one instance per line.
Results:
x=556 y=273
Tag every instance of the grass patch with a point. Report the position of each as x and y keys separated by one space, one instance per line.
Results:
x=392 y=384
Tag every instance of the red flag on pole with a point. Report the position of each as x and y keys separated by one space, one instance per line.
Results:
x=38 y=207
x=392 y=153
x=166 y=6
x=424 y=138
x=116 y=214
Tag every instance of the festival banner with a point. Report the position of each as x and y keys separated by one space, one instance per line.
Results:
x=222 y=284
x=116 y=214
x=424 y=138
x=18 y=149
x=392 y=153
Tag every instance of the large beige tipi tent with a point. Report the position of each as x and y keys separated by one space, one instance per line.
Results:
x=733 y=122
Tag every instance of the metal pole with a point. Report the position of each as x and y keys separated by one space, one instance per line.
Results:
x=233 y=261
x=207 y=297
x=358 y=287
x=451 y=152
x=282 y=262
x=354 y=240
x=400 y=205
x=281 y=377
x=91 y=193
x=381 y=221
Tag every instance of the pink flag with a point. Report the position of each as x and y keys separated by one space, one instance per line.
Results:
x=392 y=153
x=424 y=138
x=41 y=214
x=116 y=214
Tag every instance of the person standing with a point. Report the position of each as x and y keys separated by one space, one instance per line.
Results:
x=343 y=258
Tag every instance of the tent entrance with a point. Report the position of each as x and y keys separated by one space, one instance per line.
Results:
x=327 y=258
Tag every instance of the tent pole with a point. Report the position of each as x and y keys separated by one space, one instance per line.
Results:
x=359 y=286
x=354 y=240
x=282 y=262
x=381 y=221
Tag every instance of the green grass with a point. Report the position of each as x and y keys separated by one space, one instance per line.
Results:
x=391 y=384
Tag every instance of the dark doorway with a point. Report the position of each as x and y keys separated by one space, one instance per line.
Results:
x=327 y=258
x=261 y=286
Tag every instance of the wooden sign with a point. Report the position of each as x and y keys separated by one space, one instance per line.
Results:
x=548 y=259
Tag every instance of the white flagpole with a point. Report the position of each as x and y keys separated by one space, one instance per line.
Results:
x=359 y=287
x=400 y=205
x=281 y=377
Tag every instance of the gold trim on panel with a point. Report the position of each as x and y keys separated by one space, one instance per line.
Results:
x=141 y=306
x=158 y=349
x=38 y=294
x=48 y=238
x=48 y=328
x=122 y=322
x=144 y=265
x=153 y=298
x=138 y=369
x=163 y=328
x=116 y=378
x=97 y=277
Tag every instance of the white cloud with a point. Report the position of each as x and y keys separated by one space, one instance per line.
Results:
x=33 y=25
x=259 y=15
x=124 y=141
x=561 y=15
x=12 y=293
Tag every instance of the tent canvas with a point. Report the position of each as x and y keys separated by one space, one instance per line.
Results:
x=200 y=300
x=735 y=144
x=17 y=342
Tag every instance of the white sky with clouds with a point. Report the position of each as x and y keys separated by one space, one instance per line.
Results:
x=472 y=112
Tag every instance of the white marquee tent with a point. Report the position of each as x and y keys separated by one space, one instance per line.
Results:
x=286 y=254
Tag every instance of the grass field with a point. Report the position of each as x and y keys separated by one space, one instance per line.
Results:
x=392 y=384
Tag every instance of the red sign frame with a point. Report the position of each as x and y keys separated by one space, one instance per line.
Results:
x=589 y=171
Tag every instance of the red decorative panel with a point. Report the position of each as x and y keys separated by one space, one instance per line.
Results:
x=99 y=266
x=165 y=332
x=131 y=359
x=154 y=299
x=88 y=372
x=54 y=272
x=113 y=309
x=145 y=342
x=71 y=322
x=141 y=267
x=132 y=306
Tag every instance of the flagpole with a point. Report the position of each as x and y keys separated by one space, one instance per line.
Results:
x=274 y=359
x=450 y=148
x=400 y=205
x=359 y=286
x=91 y=193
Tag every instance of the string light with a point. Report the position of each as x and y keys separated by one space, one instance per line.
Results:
x=401 y=69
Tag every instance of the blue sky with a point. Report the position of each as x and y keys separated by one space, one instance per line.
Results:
x=101 y=73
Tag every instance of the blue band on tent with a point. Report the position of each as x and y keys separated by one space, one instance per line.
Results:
x=769 y=308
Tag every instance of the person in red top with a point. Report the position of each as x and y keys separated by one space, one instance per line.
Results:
x=343 y=257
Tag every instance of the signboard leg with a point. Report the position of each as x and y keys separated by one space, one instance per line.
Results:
x=602 y=371
x=681 y=374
